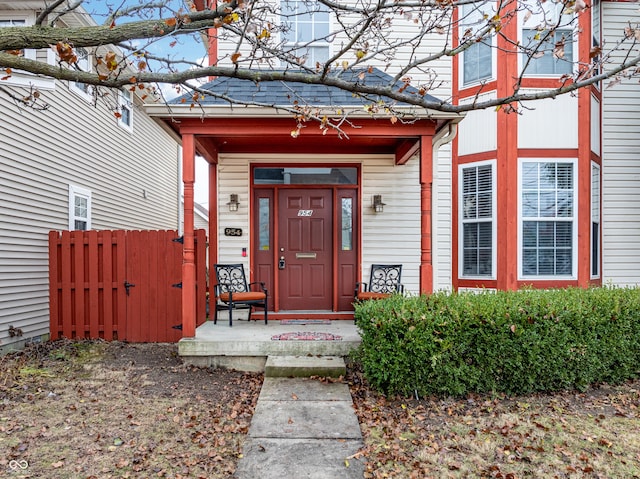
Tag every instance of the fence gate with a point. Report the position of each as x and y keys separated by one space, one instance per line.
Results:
x=121 y=285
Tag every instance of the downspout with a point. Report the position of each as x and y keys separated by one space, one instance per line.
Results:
x=442 y=137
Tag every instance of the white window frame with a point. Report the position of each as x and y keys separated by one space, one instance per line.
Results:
x=549 y=16
x=20 y=77
x=125 y=104
x=294 y=25
x=465 y=23
x=462 y=221
x=84 y=63
x=573 y=220
x=596 y=218
x=74 y=192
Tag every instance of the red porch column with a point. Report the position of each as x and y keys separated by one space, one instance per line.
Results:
x=188 y=252
x=426 y=185
x=213 y=229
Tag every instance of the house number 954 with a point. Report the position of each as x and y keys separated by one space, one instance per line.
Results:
x=305 y=212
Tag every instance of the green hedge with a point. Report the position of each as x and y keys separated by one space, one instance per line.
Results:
x=514 y=342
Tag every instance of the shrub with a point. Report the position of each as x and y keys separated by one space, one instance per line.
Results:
x=513 y=342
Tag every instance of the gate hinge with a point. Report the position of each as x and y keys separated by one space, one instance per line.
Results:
x=177 y=285
x=178 y=240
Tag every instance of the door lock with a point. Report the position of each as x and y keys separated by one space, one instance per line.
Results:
x=281 y=263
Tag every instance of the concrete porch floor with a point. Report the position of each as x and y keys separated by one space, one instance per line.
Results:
x=247 y=344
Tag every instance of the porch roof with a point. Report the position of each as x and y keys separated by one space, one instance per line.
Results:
x=262 y=121
x=285 y=93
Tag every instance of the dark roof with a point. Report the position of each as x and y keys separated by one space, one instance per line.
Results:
x=282 y=93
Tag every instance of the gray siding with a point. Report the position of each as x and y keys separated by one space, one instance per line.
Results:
x=621 y=162
x=41 y=154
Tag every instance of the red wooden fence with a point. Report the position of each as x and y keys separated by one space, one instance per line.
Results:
x=120 y=284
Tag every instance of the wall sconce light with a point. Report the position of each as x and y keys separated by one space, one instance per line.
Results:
x=233 y=203
x=378 y=205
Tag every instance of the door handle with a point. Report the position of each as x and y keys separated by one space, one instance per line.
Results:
x=281 y=263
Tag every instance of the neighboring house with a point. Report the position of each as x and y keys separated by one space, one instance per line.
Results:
x=200 y=217
x=544 y=198
x=74 y=166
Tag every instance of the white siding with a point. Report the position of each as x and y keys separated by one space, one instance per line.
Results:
x=553 y=120
x=596 y=126
x=621 y=162
x=233 y=178
x=41 y=154
x=442 y=220
x=478 y=131
x=393 y=236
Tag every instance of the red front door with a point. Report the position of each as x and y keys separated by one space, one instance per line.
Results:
x=305 y=249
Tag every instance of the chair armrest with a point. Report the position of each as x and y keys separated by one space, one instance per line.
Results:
x=359 y=285
x=260 y=283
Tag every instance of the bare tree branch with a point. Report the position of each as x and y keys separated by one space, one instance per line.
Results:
x=410 y=40
x=47 y=10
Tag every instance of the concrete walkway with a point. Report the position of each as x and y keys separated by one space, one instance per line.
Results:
x=302 y=429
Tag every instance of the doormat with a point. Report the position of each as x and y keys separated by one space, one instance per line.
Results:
x=305 y=336
x=305 y=321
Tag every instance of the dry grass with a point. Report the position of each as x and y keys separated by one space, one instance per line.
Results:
x=107 y=410
x=568 y=435
x=114 y=410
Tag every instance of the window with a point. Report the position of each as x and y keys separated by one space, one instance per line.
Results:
x=18 y=77
x=83 y=64
x=476 y=63
x=306 y=30
x=551 y=53
x=264 y=224
x=548 y=216
x=595 y=220
x=305 y=176
x=14 y=22
x=346 y=233
x=476 y=206
x=477 y=59
x=125 y=108
x=547 y=41
x=79 y=208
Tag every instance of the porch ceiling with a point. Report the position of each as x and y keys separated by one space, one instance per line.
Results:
x=274 y=135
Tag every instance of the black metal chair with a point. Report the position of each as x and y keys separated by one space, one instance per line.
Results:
x=233 y=292
x=383 y=282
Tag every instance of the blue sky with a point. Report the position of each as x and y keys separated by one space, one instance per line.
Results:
x=186 y=46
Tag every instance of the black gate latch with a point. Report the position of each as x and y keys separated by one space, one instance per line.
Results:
x=127 y=286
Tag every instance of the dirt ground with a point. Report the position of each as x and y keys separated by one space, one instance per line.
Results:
x=114 y=410
x=103 y=410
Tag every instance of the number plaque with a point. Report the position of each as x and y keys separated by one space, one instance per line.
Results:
x=233 y=231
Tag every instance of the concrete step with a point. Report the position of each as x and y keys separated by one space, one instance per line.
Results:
x=304 y=366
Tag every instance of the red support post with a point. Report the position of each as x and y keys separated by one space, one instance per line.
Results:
x=426 y=185
x=213 y=230
x=188 y=254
